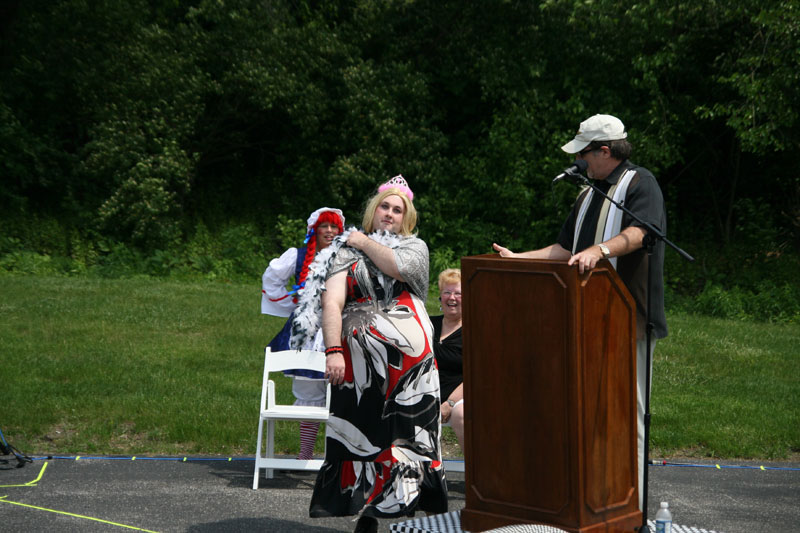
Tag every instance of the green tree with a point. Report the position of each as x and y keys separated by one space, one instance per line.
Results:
x=140 y=145
x=144 y=120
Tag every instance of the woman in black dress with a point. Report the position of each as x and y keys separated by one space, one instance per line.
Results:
x=447 y=349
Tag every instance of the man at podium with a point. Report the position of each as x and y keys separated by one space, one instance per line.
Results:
x=596 y=229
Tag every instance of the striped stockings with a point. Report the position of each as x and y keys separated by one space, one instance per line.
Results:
x=308 y=436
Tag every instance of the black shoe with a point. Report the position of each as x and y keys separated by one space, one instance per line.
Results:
x=366 y=524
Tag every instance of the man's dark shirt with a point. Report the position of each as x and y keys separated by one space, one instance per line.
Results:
x=645 y=200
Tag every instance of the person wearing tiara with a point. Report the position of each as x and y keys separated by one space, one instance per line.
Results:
x=308 y=387
x=367 y=293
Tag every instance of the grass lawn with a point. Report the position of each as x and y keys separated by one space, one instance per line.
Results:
x=725 y=388
x=155 y=367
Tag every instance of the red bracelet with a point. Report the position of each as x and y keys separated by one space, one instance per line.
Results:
x=334 y=349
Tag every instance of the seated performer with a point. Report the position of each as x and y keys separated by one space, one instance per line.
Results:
x=308 y=387
x=447 y=348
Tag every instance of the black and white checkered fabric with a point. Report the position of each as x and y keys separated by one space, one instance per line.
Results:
x=527 y=528
x=438 y=523
x=451 y=523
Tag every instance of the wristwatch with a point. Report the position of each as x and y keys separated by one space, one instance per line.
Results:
x=451 y=402
x=605 y=250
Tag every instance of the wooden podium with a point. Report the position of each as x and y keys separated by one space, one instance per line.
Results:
x=550 y=390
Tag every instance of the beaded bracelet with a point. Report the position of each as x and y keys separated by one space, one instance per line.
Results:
x=334 y=349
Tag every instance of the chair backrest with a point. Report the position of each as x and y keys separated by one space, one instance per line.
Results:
x=291 y=359
x=288 y=360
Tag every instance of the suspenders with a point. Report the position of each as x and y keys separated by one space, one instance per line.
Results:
x=609 y=222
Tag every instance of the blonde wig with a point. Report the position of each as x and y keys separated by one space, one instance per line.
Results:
x=409 y=216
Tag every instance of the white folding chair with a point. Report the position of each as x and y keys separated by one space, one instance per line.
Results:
x=270 y=411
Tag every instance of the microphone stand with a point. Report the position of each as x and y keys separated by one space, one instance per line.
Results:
x=650 y=239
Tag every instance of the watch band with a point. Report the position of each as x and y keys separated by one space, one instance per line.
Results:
x=605 y=250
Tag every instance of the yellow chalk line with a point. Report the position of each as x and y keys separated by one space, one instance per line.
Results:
x=3 y=500
x=29 y=483
x=33 y=484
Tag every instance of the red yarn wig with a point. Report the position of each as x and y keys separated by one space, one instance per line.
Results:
x=330 y=217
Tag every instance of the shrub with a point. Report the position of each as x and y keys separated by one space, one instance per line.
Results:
x=770 y=302
x=290 y=231
x=757 y=285
x=775 y=302
x=117 y=261
x=717 y=302
x=245 y=250
x=441 y=259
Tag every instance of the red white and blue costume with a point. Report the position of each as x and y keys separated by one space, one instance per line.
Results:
x=308 y=387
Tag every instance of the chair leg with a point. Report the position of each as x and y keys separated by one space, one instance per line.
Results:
x=258 y=452
x=270 y=446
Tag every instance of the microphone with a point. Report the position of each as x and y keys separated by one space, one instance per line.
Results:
x=573 y=172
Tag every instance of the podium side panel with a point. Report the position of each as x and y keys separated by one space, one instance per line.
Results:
x=517 y=384
x=608 y=396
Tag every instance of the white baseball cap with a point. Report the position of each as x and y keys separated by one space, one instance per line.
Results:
x=596 y=128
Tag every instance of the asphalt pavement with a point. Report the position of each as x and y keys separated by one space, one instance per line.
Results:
x=205 y=495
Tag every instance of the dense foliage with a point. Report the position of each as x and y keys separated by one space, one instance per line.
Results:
x=194 y=136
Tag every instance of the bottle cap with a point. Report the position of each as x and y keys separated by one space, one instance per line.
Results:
x=664 y=504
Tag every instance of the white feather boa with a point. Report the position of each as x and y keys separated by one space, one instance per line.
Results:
x=308 y=314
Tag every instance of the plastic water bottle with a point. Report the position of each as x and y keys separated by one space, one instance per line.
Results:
x=664 y=519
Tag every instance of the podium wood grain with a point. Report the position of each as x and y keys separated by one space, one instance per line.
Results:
x=550 y=390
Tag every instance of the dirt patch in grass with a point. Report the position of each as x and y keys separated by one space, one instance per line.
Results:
x=450 y=447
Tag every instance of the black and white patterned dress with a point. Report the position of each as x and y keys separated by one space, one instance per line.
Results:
x=383 y=457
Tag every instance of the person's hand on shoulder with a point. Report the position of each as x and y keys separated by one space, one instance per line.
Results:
x=357 y=240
